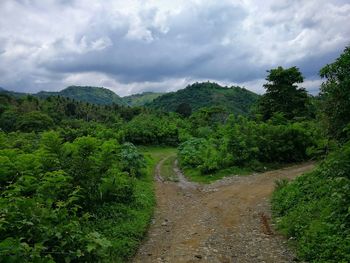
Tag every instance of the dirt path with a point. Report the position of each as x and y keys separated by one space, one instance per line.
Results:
x=227 y=221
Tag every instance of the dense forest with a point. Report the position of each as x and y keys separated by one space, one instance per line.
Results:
x=198 y=95
x=95 y=95
x=193 y=97
x=76 y=185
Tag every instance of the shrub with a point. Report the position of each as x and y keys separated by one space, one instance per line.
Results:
x=147 y=129
x=314 y=209
x=191 y=152
x=53 y=198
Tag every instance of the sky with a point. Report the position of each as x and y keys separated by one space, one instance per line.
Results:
x=138 y=45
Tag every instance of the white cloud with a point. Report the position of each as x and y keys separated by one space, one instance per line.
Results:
x=136 y=45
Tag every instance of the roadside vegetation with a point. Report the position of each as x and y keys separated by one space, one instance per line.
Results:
x=314 y=210
x=90 y=199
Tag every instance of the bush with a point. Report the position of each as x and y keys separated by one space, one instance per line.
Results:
x=283 y=143
x=200 y=153
x=147 y=129
x=314 y=209
x=191 y=152
x=53 y=198
x=245 y=143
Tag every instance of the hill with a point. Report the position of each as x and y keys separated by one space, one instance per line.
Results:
x=141 y=99
x=96 y=95
x=198 y=95
x=11 y=93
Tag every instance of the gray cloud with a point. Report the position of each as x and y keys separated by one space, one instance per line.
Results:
x=165 y=45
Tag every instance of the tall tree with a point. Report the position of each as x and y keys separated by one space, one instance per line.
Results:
x=283 y=95
x=335 y=95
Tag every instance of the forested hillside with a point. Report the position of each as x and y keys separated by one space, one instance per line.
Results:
x=76 y=186
x=199 y=95
x=141 y=99
x=11 y=93
x=96 y=95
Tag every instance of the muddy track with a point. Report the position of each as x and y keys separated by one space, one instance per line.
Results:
x=226 y=221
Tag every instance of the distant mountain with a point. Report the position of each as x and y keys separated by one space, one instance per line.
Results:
x=96 y=95
x=12 y=93
x=198 y=95
x=141 y=99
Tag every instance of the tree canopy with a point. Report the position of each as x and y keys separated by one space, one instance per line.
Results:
x=335 y=94
x=283 y=94
x=207 y=94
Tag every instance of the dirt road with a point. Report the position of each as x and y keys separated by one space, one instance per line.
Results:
x=226 y=221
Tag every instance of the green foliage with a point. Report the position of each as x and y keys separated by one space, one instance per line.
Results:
x=95 y=95
x=117 y=186
x=71 y=201
x=191 y=152
x=184 y=109
x=7 y=170
x=335 y=95
x=32 y=114
x=245 y=143
x=150 y=129
x=130 y=159
x=238 y=144
x=8 y=120
x=208 y=118
x=314 y=210
x=283 y=95
x=199 y=153
x=199 y=95
x=11 y=120
x=286 y=143
x=141 y=99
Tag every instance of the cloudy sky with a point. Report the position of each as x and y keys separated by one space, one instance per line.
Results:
x=139 y=45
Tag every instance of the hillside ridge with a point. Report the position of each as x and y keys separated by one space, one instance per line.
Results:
x=140 y=99
x=207 y=94
x=197 y=95
x=95 y=95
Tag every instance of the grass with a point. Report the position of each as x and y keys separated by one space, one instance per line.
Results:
x=196 y=176
x=167 y=169
x=156 y=153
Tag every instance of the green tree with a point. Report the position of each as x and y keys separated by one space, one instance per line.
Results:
x=335 y=94
x=184 y=109
x=130 y=159
x=34 y=121
x=283 y=95
x=8 y=120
